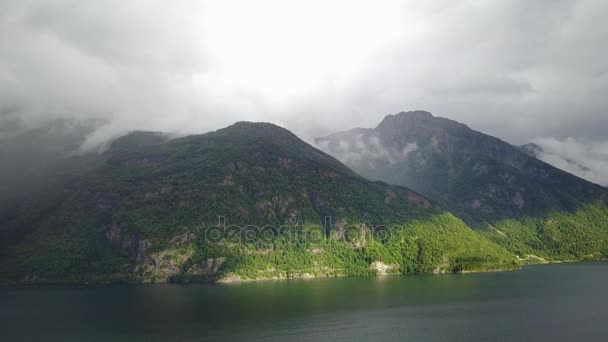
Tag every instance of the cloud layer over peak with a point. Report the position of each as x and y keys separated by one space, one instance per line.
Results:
x=514 y=69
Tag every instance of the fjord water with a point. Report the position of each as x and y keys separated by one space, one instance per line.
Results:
x=561 y=302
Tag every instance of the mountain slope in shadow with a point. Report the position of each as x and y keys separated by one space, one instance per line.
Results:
x=250 y=201
x=485 y=181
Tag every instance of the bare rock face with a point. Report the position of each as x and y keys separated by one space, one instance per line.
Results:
x=518 y=200
x=356 y=235
x=159 y=265
x=164 y=264
x=141 y=257
x=208 y=268
x=418 y=200
x=231 y=278
x=182 y=239
x=131 y=243
x=382 y=268
x=444 y=267
x=113 y=235
x=390 y=196
x=119 y=239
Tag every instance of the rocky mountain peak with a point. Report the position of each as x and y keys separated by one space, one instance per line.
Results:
x=406 y=119
x=471 y=173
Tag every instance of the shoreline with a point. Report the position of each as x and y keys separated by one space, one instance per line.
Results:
x=234 y=280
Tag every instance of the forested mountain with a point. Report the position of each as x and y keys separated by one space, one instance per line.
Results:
x=248 y=201
x=524 y=204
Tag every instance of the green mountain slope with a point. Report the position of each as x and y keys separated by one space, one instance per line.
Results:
x=245 y=202
x=492 y=185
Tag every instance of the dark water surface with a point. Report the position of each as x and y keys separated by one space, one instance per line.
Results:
x=565 y=302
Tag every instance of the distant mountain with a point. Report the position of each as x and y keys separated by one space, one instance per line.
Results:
x=149 y=209
x=496 y=187
x=560 y=161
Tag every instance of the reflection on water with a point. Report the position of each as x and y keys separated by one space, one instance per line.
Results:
x=552 y=302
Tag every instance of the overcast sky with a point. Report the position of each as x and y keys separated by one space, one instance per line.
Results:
x=521 y=70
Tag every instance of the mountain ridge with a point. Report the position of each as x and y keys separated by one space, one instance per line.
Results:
x=480 y=178
x=149 y=209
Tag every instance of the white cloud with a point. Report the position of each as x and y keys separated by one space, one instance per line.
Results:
x=316 y=67
x=588 y=160
x=367 y=148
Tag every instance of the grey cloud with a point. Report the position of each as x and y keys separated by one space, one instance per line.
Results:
x=484 y=86
x=367 y=148
x=126 y=33
x=588 y=160
x=515 y=69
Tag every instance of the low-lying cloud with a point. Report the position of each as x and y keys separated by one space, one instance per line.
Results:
x=516 y=69
x=588 y=160
x=367 y=149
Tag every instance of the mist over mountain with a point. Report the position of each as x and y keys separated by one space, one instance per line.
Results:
x=229 y=141
x=572 y=156
x=187 y=71
x=491 y=184
x=466 y=170
x=538 y=152
x=146 y=209
x=79 y=76
x=32 y=158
